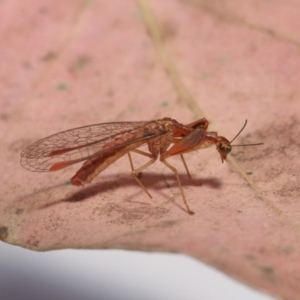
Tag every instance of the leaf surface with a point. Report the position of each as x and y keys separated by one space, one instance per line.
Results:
x=82 y=62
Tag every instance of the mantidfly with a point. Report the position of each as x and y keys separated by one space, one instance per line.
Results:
x=100 y=145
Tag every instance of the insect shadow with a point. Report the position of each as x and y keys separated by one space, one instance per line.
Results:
x=153 y=181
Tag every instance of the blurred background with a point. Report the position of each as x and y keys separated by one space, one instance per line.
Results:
x=113 y=274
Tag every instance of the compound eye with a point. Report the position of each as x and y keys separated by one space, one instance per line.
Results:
x=224 y=148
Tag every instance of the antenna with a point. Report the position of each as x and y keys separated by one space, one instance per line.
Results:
x=239 y=132
x=256 y=144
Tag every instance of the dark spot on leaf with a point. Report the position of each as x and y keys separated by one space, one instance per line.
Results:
x=49 y=56
x=132 y=109
x=3 y=233
x=19 y=211
x=286 y=250
x=43 y=10
x=167 y=31
x=110 y=93
x=267 y=270
x=205 y=75
x=4 y=117
x=81 y=62
x=33 y=242
x=164 y=104
x=250 y=257
x=270 y=32
x=224 y=250
x=27 y=65
x=62 y=86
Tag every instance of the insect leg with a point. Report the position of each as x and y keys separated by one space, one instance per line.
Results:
x=138 y=170
x=180 y=186
x=187 y=171
x=139 y=152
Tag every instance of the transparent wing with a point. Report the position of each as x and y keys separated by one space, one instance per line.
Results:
x=72 y=146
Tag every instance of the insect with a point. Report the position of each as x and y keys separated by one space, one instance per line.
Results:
x=100 y=145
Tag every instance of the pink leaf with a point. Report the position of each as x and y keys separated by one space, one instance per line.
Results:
x=82 y=62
